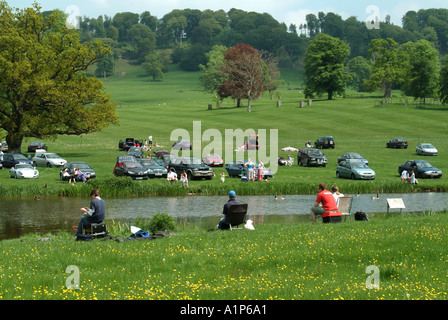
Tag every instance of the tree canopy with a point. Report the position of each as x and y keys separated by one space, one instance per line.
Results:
x=44 y=91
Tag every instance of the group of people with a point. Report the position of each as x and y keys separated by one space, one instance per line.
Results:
x=172 y=177
x=409 y=177
x=285 y=162
x=77 y=174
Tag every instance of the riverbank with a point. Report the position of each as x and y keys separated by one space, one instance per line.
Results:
x=275 y=261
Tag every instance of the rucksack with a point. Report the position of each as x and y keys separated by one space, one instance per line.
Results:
x=361 y=216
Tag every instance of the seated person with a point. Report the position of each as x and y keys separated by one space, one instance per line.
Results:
x=281 y=161
x=172 y=176
x=70 y=177
x=95 y=214
x=329 y=209
x=222 y=225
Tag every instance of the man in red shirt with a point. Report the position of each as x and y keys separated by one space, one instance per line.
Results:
x=329 y=209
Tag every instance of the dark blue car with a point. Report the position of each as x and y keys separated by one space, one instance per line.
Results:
x=11 y=159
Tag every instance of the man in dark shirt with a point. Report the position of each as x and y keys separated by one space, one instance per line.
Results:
x=232 y=200
x=95 y=214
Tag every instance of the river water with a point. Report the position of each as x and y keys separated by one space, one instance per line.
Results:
x=51 y=215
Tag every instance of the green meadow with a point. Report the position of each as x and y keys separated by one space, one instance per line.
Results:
x=357 y=122
x=400 y=257
x=302 y=261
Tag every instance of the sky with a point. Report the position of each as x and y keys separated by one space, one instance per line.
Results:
x=287 y=11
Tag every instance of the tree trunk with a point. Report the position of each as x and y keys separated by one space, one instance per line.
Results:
x=249 y=103
x=330 y=95
x=14 y=141
x=238 y=102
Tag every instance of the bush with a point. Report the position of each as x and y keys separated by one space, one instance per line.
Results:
x=161 y=222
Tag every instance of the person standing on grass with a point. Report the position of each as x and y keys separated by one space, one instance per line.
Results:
x=329 y=209
x=223 y=225
x=95 y=214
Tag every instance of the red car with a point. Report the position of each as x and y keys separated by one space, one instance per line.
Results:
x=213 y=160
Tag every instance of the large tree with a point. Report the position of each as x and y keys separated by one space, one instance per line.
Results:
x=246 y=74
x=44 y=91
x=443 y=82
x=388 y=68
x=423 y=74
x=324 y=66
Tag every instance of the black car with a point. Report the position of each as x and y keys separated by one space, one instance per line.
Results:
x=81 y=165
x=33 y=146
x=236 y=168
x=421 y=168
x=129 y=143
x=136 y=152
x=194 y=167
x=397 y=143
x=156 y=167
x=311 y=157
x=11 y=159
x=352 y=156
x=131 y=169
x=324 y=142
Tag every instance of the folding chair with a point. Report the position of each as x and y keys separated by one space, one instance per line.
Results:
x=237 y=215
x=345 y=206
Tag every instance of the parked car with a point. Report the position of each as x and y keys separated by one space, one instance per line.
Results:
x=4 y=146
x=324 y=142
x=352 y=156
x=131 y=169
x=397 y=143
x=236 y=168
x=311 y=157
x=48 y=160
x=164 y=155
x=182 y=145
x=33 y=146
x=354 y=169
x=213 y=160
x=194 y=167
x=11 y=159
x=81 y=165
x=128 y=143
x=422 y=169
x=426 y=149
x=23 y=171
x=156 y=167
x=136 y=152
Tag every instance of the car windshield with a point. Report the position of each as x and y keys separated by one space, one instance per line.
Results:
x=80 y=166
x=427 y=146
x=132 y=165
x=135 y=149
x=192 y=161
x=315 y=152
x=212 y=156
x=423 y=164
x=149 y=162
x=52 y=156
x=23 y=166
x=359 y=165
x=19 y=157
x=354 y=156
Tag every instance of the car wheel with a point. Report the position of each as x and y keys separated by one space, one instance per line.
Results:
x=189 y=176
x=48 y=165
x=353 y=176
x=338 y=175
x=34 y=164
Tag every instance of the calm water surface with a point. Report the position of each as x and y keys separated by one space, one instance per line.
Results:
x=22 y=216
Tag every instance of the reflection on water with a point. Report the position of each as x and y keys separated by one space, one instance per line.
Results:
x=23 y=216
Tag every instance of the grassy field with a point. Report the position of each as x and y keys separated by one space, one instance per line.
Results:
x=289 y=261
x=158 y=107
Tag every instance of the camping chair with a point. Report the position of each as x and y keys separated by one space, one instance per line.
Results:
x=345 y=206
x=237 y=215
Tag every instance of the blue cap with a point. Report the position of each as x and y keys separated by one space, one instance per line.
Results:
x=232 y=194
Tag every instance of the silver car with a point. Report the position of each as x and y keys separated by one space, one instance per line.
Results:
x=49 y=160
x=23 y=171
x=426 y=149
